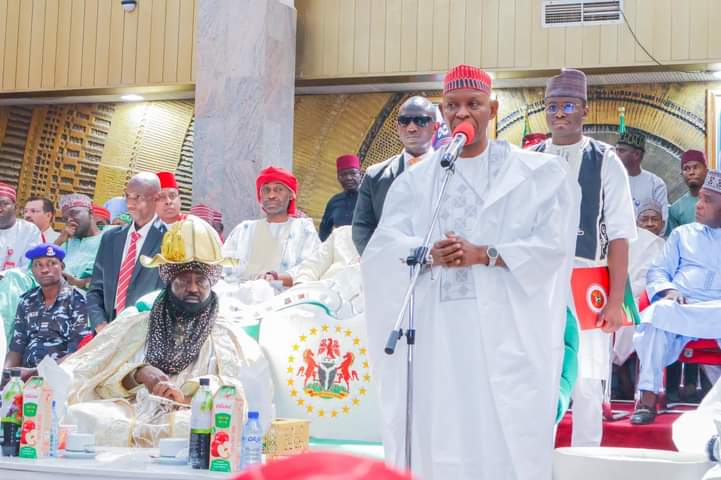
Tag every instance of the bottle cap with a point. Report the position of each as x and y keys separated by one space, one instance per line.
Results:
x=253 y=415
x=14 y=372
x=205 y=381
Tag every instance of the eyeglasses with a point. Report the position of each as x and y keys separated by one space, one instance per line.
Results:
x=567 y=107
x=421 y=121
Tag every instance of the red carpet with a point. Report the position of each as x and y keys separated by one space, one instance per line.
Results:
x=622 y=434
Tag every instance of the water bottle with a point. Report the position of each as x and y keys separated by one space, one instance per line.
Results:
x=11 y=416
x=200 y=423
x=54 y=431
x=252 y=445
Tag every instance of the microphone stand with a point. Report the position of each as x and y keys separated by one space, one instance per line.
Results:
x=418 y=258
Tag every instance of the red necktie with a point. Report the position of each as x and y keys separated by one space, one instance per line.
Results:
x=126 y=272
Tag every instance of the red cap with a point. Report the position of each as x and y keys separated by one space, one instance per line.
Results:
x=217 y=216
x=347 y=161
x=101 y=212
x=325 y=465
x=202 y=211
x=280 y=175
x=467 y=77
x=7 y=191
x=693 y=156
x=167 y=180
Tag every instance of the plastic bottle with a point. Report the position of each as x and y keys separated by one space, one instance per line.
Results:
x=252 y=445
x=200 y=423
x=11 y=415
x=54 y=431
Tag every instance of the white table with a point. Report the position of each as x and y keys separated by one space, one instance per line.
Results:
x=110 y=463
x=131 y=464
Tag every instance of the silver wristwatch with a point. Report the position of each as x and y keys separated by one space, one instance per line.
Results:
x=492 y=253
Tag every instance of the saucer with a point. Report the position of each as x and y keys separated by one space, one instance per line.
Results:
x=79 y=455
x=170 y=460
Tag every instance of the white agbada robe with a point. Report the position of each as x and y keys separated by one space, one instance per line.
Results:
x=15 y=241
x=489 y=341
x=299 y=240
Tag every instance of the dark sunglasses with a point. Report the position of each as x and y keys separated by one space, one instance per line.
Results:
x=421 y=121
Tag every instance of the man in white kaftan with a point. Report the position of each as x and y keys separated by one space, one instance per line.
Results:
x=16 y=235
x=606 y=226
x=274 y=244
x=684 y=286
x=489 y=341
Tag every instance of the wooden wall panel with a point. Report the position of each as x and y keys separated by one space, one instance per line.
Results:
x=498 y=35
x=36 y=45
x=64 y=44
x=10 y=52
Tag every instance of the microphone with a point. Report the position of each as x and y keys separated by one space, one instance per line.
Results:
x=463 y=134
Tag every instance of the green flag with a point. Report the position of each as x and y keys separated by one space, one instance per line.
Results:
x=526 y=124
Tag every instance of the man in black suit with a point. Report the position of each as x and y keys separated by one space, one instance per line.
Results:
x=119 y=279
x=416 y=128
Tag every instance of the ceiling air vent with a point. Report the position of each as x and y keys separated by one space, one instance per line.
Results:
x=567 y=13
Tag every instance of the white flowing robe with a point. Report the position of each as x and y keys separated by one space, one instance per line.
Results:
x=489 y=342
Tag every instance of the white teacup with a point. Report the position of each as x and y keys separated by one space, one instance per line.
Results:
x=80 y=442
x=171 y=447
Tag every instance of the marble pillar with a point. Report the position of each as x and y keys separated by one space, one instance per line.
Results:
x=244 y=96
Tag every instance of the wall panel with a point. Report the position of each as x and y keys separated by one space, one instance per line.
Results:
x=64 y=44
x=500 y=35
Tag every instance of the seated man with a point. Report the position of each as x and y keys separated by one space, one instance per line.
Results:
x=51 y=319
x=41 y=212
x=16 y=235
x=165 y=351
x=641 y=254
x=167 y=206
x=80 y=238
x=276 y=243
x=684 y=284
x=101 y=216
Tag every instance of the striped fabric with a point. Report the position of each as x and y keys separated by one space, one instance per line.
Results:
x=126 y=272
x=467 y=77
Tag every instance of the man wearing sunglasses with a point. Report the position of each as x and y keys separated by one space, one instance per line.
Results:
x=416 y=127
x=607 y=225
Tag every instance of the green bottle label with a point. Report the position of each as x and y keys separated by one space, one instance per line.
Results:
x=222 y=420
x=220 y=466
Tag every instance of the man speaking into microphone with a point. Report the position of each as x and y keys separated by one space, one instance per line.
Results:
x=490 y=310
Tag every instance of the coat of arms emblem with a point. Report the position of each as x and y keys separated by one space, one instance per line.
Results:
x=331 y=365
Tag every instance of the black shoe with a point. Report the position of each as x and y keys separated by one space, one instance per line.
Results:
x=643 y=416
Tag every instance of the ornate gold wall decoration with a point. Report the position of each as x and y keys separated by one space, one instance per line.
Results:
x=51 y=150
x=671 y=115
x=327 y=126
x=63 y=150
x=14 y=127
